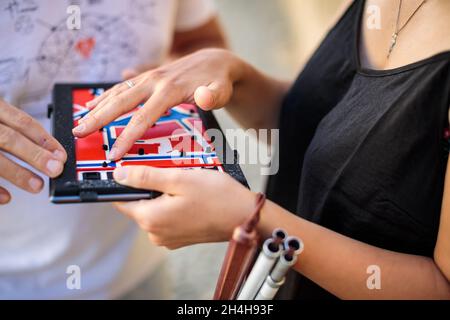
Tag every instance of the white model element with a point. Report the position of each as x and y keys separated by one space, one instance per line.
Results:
x=271 y=251
x=276 y=279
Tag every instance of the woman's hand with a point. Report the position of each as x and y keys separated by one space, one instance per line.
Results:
x=205 y=78
x=197 y=206
x=24 y=138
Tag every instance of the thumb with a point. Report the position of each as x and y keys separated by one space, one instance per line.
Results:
x=5 y=196
x=214 y=96
x=166 y=180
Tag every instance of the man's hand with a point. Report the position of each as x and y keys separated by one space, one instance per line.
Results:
x=24 y=138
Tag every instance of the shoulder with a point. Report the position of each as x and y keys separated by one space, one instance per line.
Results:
x=345 y=5
x=341 y=10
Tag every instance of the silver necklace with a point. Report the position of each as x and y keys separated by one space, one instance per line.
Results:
x=398 y=29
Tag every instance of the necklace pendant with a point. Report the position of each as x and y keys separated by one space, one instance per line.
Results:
x=393 y=43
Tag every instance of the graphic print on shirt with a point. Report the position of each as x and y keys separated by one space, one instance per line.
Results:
x=106 y=43
x=101 y=41
x=20 y=11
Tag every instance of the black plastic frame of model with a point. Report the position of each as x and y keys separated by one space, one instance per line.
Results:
x=68 y=189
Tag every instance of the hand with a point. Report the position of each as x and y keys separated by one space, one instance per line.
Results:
x=197 y=206
x=131 y=73
x=206 y=78
x=24 y=138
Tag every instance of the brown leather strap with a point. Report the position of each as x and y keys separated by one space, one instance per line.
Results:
x=240 y=255
x=253 y=219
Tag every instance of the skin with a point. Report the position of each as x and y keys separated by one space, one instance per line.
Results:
x=414 y=42
x=213 y=79
x=23 y=137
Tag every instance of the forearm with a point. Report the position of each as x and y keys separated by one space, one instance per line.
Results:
x=339 y=264
x=257 y=98
x=209 y=35
x=195 y=46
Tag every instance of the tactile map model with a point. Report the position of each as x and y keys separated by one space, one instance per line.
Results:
x=178 y=140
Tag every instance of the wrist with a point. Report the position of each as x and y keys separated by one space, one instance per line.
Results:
x=242 y=206
x=266 y=222
x=239 y=70
x=250 y=214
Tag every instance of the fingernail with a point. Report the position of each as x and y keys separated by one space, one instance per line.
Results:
x=120 y=174
x=35 y=184
x=54 y=166
x=4 y=198
x=113 y=154
x=59 y=155
x=80 y=128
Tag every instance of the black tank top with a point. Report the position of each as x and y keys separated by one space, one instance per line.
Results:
x=363 y=152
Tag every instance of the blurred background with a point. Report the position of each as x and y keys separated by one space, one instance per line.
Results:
x=277 y=36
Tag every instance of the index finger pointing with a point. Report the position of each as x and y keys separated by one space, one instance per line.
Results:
x=152 y=110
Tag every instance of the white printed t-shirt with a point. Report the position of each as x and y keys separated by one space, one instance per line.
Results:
x=40 y=241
